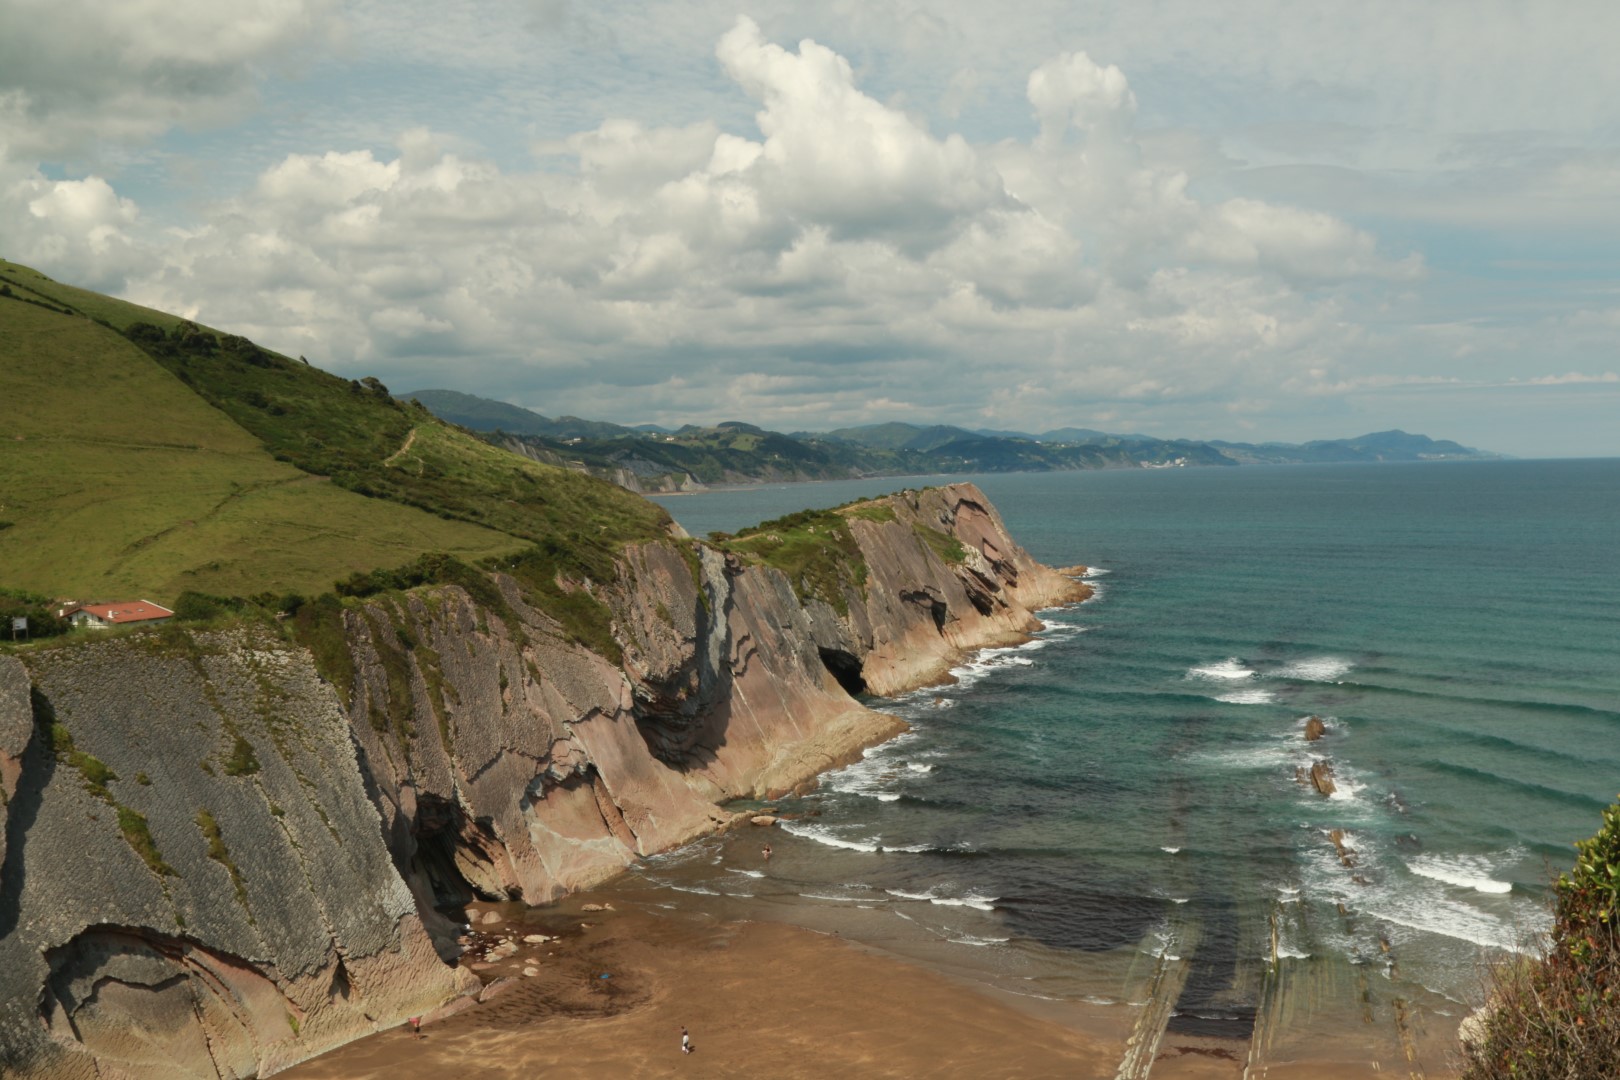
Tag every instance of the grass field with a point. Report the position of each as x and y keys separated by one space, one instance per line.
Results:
x=116 y=313
x=118 y=481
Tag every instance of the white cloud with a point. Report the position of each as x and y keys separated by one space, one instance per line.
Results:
x=836 y=156
x=1571 y=378
x=846 y=241
x=1101 y=250
x=1304 y=244
x=76 y=74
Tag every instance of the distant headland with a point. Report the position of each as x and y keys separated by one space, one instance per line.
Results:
x=652 y=459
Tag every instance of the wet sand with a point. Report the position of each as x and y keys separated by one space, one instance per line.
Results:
x=759 y=998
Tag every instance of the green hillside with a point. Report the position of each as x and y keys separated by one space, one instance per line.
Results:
x=169 y=457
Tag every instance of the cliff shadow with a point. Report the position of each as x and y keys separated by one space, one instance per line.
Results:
x=38 y=767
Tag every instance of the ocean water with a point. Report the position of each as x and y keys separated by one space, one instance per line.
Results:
x=1124 y=787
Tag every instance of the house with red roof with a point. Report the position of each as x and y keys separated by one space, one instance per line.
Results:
x=122 y=613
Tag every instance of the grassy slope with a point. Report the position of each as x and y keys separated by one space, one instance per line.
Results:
x=248 y=495
x=120 y=482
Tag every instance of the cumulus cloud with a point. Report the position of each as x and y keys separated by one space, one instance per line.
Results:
x=78 y=74
x=839 y=261
x=836 y=156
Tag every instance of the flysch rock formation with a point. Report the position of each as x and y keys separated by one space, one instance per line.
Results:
x=161 y=917
x=216 y=863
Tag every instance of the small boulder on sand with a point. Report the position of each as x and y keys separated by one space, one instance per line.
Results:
x=490 y=918
x=535 y=939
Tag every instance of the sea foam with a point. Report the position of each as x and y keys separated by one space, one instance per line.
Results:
x=1230 y=668
x=1316 y=669
x=1255 y=696
x=1463 y=871
x=825 y=836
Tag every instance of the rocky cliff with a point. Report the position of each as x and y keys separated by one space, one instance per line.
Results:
x=217 y=863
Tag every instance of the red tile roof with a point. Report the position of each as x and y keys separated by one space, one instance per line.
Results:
x=128 y=611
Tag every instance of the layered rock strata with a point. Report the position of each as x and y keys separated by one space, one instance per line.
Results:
x=216 y=864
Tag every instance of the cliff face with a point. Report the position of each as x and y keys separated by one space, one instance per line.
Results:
x=216 y=864
x=194 y=882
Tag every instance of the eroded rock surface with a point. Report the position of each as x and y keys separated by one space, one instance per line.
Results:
x=217 y=864
x=194 y=882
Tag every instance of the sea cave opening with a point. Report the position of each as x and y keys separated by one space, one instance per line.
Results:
x=846 y=669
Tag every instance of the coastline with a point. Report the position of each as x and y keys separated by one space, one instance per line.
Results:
x=759 y=998
x=785 y=986
x=766 y=998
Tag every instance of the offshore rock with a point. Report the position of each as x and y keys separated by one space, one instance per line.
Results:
x=1314 y=728
x=1321 y=774
x=1346 y=853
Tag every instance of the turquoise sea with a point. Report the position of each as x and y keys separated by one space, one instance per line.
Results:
x=1123 y=788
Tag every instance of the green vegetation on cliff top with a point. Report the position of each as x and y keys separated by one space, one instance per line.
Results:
x=814 y=549
x=146 y=456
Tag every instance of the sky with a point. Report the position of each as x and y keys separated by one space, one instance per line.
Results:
x=1241 y=219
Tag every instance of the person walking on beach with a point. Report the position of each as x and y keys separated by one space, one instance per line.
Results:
x=686 y=1042
x=766 y=852
x=416 y=1027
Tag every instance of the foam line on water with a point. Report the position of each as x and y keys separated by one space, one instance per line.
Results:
x=1255 y=696
x=1316 y=669
x=932 y=896
x=825 y=836
x=986 y=661
x=1464 y=871
x=1419 y=903
x=1230 y=668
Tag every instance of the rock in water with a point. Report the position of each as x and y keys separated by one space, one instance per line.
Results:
x=1314 y=728
x=1347 y=855
x=765 y=819
x=1322 y=777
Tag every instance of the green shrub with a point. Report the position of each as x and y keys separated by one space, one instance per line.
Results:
x=1558 y=1017
x=318 y=627
x=200 y=607
x=814 y=549
x=946 y=546
x=242 y=762
x=139 y=835
x=38 y=610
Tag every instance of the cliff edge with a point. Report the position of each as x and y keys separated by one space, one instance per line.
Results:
x=223 y=853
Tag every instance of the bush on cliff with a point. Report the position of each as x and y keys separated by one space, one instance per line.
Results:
x=42 y=620
x=814 y=549
x=1558 y=1018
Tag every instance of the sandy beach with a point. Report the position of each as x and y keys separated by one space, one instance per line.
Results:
x=759 y=998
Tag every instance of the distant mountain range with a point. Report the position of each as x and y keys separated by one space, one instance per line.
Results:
x=650 y=458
